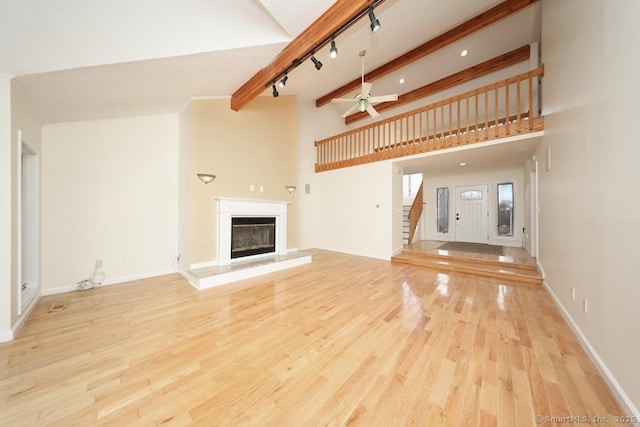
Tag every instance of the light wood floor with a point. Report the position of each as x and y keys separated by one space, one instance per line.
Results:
x=342 y=341
x=511 y=255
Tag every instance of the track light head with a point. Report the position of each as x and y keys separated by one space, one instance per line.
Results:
x=283 y=81
x=275 y=91
x=317 y=63
x=375 y=24
x=333 y=52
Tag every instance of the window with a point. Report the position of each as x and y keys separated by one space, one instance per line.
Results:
x=411 y=185
x=505 y=209
x=471 y=195
x=442 y=209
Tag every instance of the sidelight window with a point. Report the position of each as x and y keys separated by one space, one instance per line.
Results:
x=505 y=209
x=442 y=209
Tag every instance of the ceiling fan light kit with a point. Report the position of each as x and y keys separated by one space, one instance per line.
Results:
x=364 y=101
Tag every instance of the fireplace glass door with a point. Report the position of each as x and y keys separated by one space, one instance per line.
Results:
x=252 y=236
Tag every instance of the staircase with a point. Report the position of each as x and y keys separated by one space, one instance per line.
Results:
x=495 y=268
x=405 y=224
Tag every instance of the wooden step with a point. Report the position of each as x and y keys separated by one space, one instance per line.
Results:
x=472 y=259
x=470 y=267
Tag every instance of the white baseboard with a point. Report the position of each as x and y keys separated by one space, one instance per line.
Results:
x=397 y=251
x=540 y=269
x=622 y=397
x=25 y=314
x=6 y=336
x=114 y=281
x=193 y=281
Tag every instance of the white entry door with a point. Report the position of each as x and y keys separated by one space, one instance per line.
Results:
x=471 y=214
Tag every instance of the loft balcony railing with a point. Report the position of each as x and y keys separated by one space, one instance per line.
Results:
x=498 y=110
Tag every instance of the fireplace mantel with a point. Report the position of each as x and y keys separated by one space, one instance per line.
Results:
x=228 y=208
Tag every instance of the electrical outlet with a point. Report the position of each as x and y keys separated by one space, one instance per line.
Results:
x=98 y=263
x=585 y=305
x=573 y=293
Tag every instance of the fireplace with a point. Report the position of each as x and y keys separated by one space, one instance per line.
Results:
x=230 y=210
x=252 y=236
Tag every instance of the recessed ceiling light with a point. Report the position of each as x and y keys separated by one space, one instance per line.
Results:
x=464 y=53
x=463 y=164
x=401 y=81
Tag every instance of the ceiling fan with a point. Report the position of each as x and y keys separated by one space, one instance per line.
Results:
x=364 y=101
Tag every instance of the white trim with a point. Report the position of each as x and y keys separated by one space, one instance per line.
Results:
x=193 y=281
x=602 y=367
x=228 y=208
x=6 y=336
x=397 y=251
x=8 y=77
x=540 y=269
x=116 y=281
x=25 y=313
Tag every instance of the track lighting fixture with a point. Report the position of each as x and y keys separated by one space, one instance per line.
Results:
x=375 y=24
x=280 y=79
x=283 y=81
x=317 y=63
x=333 y=52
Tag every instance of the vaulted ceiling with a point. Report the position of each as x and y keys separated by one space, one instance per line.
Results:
x=79 y=60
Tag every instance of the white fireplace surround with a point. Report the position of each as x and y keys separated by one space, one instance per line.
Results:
x=231 y=208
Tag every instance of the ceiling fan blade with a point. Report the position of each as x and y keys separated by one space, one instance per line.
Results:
x=351 y=110
x=384 y=98
x=366 y=89
x=342 y=100
x=372 y=111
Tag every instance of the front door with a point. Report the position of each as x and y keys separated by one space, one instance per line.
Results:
x=471 y=214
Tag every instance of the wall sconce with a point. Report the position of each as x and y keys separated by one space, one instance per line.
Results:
x=290 y=188
x=206 y=178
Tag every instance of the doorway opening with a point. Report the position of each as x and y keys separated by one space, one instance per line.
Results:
x=29 y=226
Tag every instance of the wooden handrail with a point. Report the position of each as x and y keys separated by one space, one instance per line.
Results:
x=415 y=213
x=497 y=110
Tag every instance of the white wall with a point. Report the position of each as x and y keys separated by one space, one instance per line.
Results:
x=589 y=203
x=355 y=210
x=470 y=176
x=184 y=184
x=313 y=124
x=109 y=192
x=6 y=259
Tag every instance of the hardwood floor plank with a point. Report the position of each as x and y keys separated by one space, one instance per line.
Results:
x=344 y=340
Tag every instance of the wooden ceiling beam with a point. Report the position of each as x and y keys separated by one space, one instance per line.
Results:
x=327 y=24
x=499 y=62
x=474 y=24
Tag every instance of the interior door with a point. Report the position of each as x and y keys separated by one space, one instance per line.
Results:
x=471 y=214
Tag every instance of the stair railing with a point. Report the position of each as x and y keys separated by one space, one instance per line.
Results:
x=415 y=213
x=498 y=110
